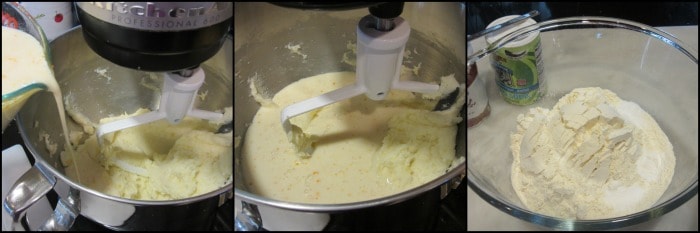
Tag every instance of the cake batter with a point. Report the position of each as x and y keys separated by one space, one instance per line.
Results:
x=363 y=149
x=24 y=63
x=156 y=161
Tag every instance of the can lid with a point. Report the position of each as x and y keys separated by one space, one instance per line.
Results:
x=493 y=37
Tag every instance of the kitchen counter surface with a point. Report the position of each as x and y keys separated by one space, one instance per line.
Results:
x=483 y=216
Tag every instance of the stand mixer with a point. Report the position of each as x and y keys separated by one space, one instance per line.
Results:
x=169 y=37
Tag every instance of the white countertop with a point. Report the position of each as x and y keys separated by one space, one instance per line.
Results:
x=483 y=216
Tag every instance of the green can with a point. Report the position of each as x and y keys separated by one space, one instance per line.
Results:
x=518 y=65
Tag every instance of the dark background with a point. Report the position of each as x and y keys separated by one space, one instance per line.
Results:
x=480 y=14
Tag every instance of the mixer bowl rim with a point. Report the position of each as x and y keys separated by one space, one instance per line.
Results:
x=598 y=224
x=455 y=173
x=613 y=23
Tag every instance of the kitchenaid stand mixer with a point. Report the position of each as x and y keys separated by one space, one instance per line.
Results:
x=159 y=37
x=173 y=38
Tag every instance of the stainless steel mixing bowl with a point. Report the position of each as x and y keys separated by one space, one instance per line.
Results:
x=262 y=31
x=639 y=63
x=96 y=96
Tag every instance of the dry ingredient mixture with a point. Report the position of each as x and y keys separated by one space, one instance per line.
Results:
x=592 y=156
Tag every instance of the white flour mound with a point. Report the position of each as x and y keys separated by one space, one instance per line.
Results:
x=592 y=156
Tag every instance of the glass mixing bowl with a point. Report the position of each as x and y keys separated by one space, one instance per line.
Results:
x=637 y=62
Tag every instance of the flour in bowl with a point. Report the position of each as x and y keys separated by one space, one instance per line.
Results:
x=592 y=156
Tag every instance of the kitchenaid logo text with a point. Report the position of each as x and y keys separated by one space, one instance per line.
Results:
x=159 y=16
x=152 y=10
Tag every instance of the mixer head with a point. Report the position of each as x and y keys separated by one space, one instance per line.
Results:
x=155 y=36
x=170 y=37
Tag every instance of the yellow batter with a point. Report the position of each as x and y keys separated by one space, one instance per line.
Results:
x=363 y=149
x=156 y=161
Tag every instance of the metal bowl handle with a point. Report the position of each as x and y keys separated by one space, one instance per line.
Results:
x=451 y=184
x=249 y=218
x=63 y=217
x=28 y=189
